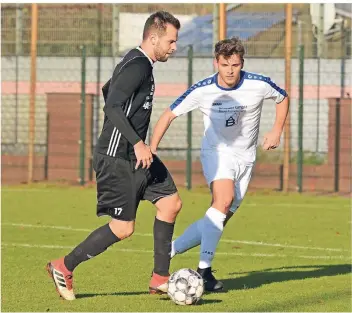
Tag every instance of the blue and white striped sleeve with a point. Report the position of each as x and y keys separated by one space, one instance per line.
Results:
x=274 y=92
x=187 y=102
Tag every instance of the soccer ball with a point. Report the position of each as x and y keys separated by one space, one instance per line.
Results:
x=186 y=287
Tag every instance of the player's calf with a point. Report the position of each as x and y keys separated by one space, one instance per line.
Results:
x=163 y=232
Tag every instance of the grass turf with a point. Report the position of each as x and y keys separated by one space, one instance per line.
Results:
x=278 y=253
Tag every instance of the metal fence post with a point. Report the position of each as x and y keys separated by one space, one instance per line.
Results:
x=343 y=58
x=189 y=122
x=287 y=130
x=300 y=120
x=99 y=44
x=33 y=82
x=19 y=52
x=83 y=117
x=337 y=144
x=46 y=159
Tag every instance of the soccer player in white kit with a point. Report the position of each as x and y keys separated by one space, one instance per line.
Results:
x=231 y=102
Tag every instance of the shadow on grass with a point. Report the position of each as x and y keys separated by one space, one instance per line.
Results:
x=136 y=293
x=256 y=279
x=90 y=295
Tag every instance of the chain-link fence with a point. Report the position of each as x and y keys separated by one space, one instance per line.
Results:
x=107 y=32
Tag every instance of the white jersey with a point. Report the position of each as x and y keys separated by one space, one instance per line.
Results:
x=231 y=115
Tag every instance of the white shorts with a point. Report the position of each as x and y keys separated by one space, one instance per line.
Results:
x=218 y=165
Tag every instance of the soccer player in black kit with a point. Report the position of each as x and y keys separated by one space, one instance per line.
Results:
x=126 y=170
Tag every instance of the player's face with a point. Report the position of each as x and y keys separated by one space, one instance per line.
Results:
x=166 y=44
x=229 y=69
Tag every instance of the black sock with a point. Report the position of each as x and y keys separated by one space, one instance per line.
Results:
x=97 y=242
x=163 y=232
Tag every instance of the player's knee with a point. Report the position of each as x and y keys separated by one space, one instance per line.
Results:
x=123 y=233
x=228 y=202
x=224 y=203
x=178 y=206
x=168 y=208
x=122 y=229
x=175 y=209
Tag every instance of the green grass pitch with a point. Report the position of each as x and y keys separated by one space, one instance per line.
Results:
x=278 y=253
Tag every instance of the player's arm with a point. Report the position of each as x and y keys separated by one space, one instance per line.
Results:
x=184 y=104
x=272 y=138
x=160 y=128
x=121 y=90
x=281 y=115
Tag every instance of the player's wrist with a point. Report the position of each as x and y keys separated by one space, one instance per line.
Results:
x=139 y=144
x=277 y=129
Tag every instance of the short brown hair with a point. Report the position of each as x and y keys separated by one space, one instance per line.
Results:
x=158 y=21
x=228 y=47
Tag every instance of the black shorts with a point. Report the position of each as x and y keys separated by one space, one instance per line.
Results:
x=120 y=187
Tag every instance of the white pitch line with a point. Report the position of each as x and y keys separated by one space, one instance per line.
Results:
x=301 y=205
x=272 y=255
x=33 y=190
x=259 y=243
x=63 y=228
x=255 y=243
x=47 y=226
x=26 y=245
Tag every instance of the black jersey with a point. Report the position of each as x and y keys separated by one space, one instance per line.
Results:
x=128 y=99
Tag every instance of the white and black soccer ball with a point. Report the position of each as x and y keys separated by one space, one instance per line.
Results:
x=186 y=287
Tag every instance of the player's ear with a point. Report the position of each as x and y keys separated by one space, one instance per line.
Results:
x=215 y=63
x=242 y=64
x=153 y=38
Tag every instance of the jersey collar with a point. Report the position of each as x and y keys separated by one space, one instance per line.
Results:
x=150 y=60
x=242 y=74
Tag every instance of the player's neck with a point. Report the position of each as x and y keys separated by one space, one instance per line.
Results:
x=222 y=83
x=148 y=50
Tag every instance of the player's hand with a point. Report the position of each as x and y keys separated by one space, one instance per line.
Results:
x=143 y=154
x=271 y=140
